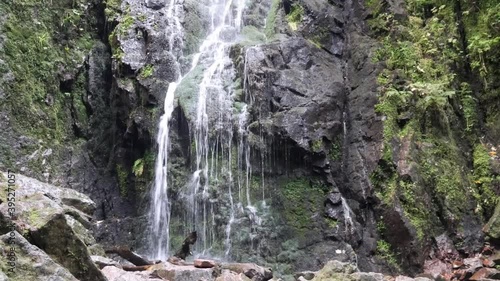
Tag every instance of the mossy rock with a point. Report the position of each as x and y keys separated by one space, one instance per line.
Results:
x=31 y=262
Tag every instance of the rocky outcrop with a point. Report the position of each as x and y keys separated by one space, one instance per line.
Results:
x=61 y=231
x=31 y=263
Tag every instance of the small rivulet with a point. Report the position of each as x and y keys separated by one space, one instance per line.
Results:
x=185 y=251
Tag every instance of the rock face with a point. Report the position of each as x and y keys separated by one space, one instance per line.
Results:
x=32 y=263
x=60 y=231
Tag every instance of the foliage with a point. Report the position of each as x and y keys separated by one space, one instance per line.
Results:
x=295 y=16
x=147 y=71
x=41 y=41
x=271 y=19
x=384 y=250
x=483 y=179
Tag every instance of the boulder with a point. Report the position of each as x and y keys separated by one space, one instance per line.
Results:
x=31 y=262
x=307 y=275
x=367 y=276
x=228 y=275
x=113 y=273
x=492 y=228
x=204 y=263
x=335 y=270
x=43 y=217
x=173 y=272
x=102 y=262
x=486 y=273
x=251 y=270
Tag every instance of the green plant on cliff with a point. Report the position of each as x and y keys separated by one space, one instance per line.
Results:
x=39 y=47
x=483 y=179
x=294 y=18
x=147 y=71
x=302 y=199
x=271 y=19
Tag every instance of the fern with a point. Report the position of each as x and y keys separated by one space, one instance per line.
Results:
x=138 y=167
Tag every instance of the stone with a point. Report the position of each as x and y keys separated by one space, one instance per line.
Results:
x=31 y=262
x=155 y=4
x=228 y=275
x=204 y=263
x=488 y=263
x=492 y=228
x=180 y=272
x=484 y=273
x=102 y=262
x=335 y=270
x=436 y=267
x=367 y=276
x=251 y=270
x=472 y=264
x=56 y=228
x=307 y=275
x=113 y=273
x=403 y=278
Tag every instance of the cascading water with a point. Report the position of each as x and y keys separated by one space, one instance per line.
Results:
x=213 y=133
x=160 y=206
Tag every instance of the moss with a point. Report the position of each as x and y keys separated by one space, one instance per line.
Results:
x=36 y=54
x=146 y=71
x=112 y=9
x=302 y=199
x=335 y=151
x=295 y=16
x=483 y=179
x=271 y=19
x=122 y=175
x=385 y=251
x=317 y=145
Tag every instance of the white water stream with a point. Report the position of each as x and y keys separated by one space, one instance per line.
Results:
x=213 y=132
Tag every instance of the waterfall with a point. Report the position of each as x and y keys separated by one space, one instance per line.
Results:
x=213 y=135
x=160 y=205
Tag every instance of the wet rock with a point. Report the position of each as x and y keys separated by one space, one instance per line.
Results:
x=204 y=263
x=155 y=4
x=113 y=273
x=472 y=265
x=485 y=273
x=102 y=262
x=492 y=228
x=436 y=267
x=31 y=262
x=181 y=273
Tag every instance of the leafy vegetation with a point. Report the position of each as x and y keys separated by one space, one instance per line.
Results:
x=427 y=101
x=295 y=16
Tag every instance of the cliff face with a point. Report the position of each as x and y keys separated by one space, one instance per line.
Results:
x=369 y=132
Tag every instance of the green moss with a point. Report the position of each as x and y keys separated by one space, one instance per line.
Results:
x=146 y=71
x=271 y=19
x=317 y=145
x=112 y=9
x=335 y=151
x=302 y=199
x=483 y=179
x=385 y=251
x=295 y=16
x=122 y=175
x=36 y=53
